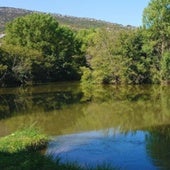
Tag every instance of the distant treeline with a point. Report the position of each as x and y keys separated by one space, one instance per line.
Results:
x=37 y=49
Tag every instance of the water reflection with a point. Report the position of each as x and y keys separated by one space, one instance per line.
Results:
x=49 y=97
x=146 y=149
x=140 y=114
x=43 y=105
x=103 y=147
x=158 y=146
x=65 y=108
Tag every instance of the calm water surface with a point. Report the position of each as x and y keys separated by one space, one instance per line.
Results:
x=127 y=127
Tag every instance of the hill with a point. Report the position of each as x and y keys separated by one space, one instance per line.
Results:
x=8 y=14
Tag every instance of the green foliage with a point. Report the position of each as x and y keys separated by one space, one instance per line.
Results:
x=156 y=14
x=35 y=31
x=86 y=36
x=156 y=19
x=87 y=75
x=137 y=61
x=18 y=63
x=165 y=67
x=37 y=49
x=104 y=57
x=119 y=57
x=136 y=56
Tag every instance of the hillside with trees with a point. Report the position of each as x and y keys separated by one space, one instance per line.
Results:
x=138 y=56
x=8 y=14
x=39 y=48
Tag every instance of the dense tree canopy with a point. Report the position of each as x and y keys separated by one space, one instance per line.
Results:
x=135 y=56
x=40 y=50
x=156 y=22
x=119 y=58
x=156 y=19
x=37 y=49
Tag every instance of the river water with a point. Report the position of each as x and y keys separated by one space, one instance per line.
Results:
x=127 y=127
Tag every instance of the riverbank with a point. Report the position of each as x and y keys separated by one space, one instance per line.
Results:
x=20 y=150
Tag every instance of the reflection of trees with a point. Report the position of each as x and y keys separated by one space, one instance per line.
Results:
x=52 y=107
x=57 y=108
x=53 y=123
x=48 y=98
x=133 y=107
x=57 y=100
x=130 y=93
x=158 y=146
x=126 y=108
x=6 y=105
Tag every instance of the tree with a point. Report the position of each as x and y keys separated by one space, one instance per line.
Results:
x=60 y=50
x=156 y=23
x=137 y=59
x=118 y=57
x=16 y=62
x=35 y=31
x=165 y=67
x=105 y=63
x=156 y=17
x=3 y=66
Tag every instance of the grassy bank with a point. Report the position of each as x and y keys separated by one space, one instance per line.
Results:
x=19 y=151
x=23 y=140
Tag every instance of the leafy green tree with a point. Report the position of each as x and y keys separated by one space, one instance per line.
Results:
x=134 y=56
x=156 y=17
x=137 y=61
x=35 y=31
x=68 y=55
x=119 y=57
x=86 y=36
x=17 y=64
x=61 y=54
x=105 y=61
x=165 y=67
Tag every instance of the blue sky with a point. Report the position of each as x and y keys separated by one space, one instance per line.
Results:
x=125 y=12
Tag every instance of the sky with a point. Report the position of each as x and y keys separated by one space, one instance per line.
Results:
x=125 y=12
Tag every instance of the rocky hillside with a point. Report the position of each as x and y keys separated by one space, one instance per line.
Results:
x=8 y=14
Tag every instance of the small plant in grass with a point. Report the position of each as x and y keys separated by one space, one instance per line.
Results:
x=24 y=139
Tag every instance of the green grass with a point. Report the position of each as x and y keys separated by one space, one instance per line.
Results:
x=24 y=139
x=20 y=151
